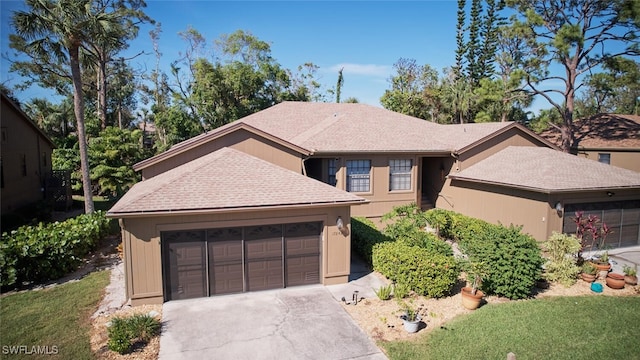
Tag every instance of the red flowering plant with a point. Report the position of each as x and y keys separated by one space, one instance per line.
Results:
x=590 y=228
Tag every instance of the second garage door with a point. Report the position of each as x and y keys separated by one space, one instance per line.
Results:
x=208 y=262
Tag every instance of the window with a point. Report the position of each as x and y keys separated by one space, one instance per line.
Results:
x=358 y=175
x=604 y=158
x=332 y=172
x=400 y=174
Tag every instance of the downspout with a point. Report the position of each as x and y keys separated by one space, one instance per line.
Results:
x=304 y=166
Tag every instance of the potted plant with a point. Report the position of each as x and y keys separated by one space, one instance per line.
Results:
x=411 y=318
x=602 y=263
x=472 y=295
x=589 y=272
x=615 y=281
x=630 y=275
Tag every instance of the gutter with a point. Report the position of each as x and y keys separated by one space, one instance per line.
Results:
x=150 y=213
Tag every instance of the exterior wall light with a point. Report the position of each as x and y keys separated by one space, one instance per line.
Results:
x=558 y=208
x=340 y=223
x=610 y=193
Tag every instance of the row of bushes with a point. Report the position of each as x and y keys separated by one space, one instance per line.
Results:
x=408 y=255
x=513 y=259
x=49 y=251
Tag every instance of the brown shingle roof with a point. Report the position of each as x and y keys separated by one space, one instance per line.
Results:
x=341 y=128
x=224 y=180
x=602 y=131
x=548 y=171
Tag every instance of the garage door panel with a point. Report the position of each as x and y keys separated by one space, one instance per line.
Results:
x=303 y=270
x=303 y=246
x=185 y=264
x=264 y=275
x=226 y=279
x=263 y=248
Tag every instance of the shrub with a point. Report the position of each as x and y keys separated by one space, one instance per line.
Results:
x=513 y=258
x=425 y=272
x=123 y=332
x=364 y=235
x=384 y=292
x=561 y=266
x=49 y=251
x=407 y=223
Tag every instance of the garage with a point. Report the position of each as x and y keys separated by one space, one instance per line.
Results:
x=622 y=218
x=208 y=262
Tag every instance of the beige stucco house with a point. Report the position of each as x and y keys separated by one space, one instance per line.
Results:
x=25 y=160
x=608 y=138
x=265 y=202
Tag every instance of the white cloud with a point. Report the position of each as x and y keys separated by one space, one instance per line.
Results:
x=363 y=69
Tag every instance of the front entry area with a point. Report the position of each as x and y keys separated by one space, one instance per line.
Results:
x=207 y=262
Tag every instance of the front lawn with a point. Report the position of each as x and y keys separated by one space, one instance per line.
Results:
x=56 y=319
x=581 y=327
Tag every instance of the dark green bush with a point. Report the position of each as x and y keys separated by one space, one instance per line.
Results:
x=123 y=332
x=364 y=235
x=49 y=251
x=513 y=259
x=426 y=272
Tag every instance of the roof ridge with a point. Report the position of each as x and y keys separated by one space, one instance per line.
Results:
x=313 y=130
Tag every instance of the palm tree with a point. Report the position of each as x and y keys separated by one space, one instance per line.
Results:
x=59 y=31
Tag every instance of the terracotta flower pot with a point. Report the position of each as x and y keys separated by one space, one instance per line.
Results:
x=615 y=281
x=602 y=266
x=631 y=280
x=588 y=277
x=469 y=300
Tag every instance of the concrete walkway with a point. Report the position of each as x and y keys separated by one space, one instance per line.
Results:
x=294 y=323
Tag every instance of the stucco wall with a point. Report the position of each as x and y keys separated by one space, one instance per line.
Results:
x=21 y=141
x=241 y=140
x=382 y=200
x=624 y=159
x=142 y=247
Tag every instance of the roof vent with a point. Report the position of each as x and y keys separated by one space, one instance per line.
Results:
x=335 y=114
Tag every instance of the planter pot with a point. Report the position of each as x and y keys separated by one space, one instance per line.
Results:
x=469 y=300
x=588 y=277
x=602 y=266
x=615 y=281
x=631 y=280
x=411 y=326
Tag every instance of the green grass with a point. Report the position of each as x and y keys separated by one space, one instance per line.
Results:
x=585 y=327
x=57 y=316
x=99 y=202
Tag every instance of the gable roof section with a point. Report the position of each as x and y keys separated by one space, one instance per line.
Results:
x=492 y=132
x=548 y=171
x=27 y=119
x=602 y=131
x=227 y=180
x=329 y=128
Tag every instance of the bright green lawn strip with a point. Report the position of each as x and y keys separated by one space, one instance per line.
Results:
x=56 y=316
x=585 y=327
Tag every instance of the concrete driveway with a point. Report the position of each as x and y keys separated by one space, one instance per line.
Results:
x=295 y=323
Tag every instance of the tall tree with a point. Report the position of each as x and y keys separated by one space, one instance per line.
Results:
x=339 y=85
x=414 y=90
x=616 y=90
x=55 y=32
x=579 y=35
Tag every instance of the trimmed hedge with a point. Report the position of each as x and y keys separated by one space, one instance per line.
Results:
x=364 y=235
x=424 y=271
x=514 y=259
x=49 y=251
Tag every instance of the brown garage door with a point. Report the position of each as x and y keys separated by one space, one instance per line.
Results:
x=185 y=257
x=240 y=259
x=622 y=218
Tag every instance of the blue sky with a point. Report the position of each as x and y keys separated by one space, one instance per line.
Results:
x=364 y=37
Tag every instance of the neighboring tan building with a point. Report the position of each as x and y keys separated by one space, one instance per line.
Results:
x=203 y=204
x=25 y=161
x=608 y=138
